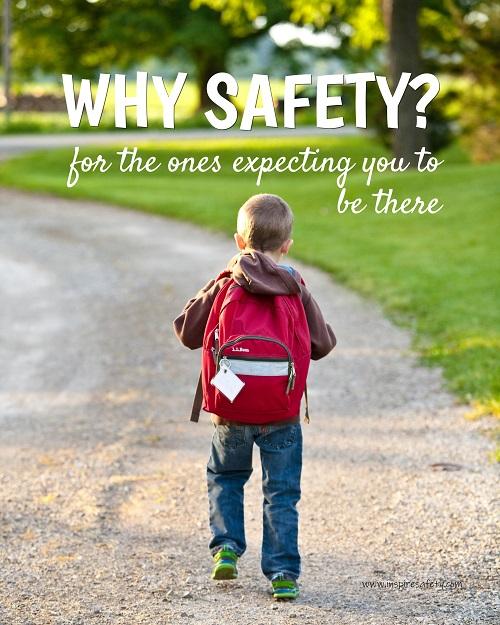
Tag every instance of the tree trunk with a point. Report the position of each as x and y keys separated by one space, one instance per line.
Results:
x=404 y=56
x=207 y=66
x=7 y=27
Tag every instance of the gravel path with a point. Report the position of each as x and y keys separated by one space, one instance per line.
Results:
x=102 y=477
x=11 y=145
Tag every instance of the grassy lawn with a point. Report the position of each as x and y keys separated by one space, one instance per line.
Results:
x=436 y=274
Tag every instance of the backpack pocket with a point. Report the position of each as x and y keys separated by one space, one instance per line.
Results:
x=261 y=395
x=266 y=367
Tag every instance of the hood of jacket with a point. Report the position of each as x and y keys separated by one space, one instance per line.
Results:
x=258 y=273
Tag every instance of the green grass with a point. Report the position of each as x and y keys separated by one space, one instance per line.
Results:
x=57 y=122
x=436 y=274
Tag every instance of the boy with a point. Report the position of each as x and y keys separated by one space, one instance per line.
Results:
x=263 y=236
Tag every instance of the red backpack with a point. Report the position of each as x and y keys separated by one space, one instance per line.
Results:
x=264 y=340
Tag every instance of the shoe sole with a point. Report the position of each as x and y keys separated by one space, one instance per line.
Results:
x=286 y=596
x=225 y=572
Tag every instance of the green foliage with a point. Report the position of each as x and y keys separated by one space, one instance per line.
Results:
x=82 y=37
x=436 y=274
x=238 y=15
x=459 y=38
x=462 y=38
x=241 y=13
x=363 y=16
x=368 y=25
x=315 y=12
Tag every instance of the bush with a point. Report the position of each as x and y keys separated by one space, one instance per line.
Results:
x=480 y=116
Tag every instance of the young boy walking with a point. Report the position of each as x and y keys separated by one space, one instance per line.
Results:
x=259 y=326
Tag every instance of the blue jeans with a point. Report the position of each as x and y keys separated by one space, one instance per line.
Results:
x=228 y=470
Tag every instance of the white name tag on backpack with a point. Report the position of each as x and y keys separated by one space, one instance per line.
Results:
x=227 y=382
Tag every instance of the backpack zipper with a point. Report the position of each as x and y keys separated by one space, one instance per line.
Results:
x=215 y=348
x=291 y=379
x=218 y=353
x=257 y=358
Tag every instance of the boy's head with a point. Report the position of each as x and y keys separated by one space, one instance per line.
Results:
x=264 y=224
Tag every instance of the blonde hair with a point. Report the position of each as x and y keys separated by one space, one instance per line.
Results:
x=265 y=222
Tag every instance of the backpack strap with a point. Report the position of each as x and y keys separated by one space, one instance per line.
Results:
x=197 y=401
x=306 y=419
x=198 y=395
x=223 y=274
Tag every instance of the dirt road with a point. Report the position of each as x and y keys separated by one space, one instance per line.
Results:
x=11 y=145
x=103 y=511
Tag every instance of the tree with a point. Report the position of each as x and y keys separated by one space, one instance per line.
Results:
x=401 y=17
x=7 y=27
x=458 y=37
x=83 y=38
x=60 y=36
x=212 y=29
x=196 y=30
x=462 y=40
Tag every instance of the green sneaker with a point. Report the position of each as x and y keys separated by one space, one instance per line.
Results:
x=284 y=588
x=225 y=564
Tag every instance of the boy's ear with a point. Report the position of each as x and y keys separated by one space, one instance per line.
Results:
x=286 y=246
x=240 y=243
